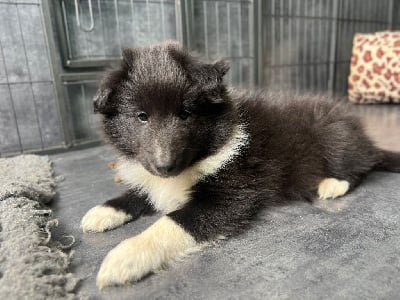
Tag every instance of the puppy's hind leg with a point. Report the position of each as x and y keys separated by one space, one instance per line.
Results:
x=332 y=188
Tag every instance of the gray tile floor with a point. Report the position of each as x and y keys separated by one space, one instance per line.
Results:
x=299 y=252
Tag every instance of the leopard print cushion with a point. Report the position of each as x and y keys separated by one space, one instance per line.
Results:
x=375 y=68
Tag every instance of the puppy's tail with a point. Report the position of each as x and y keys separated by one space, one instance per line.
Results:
x=390 y=162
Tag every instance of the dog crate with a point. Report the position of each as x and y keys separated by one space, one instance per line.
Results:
x=53 y=51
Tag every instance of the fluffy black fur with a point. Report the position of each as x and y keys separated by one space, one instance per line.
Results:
x=132 y=203
x=163 y=94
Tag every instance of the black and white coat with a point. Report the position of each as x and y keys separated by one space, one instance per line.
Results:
x=209 y=158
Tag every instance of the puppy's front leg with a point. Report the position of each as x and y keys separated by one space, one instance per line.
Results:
x=116 y=212
x=149 y=251
x=202 y=219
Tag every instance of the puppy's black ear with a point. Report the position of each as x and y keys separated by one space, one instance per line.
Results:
x=128 y=56
x=222 y=66
x=180 y=55
x=101 y=100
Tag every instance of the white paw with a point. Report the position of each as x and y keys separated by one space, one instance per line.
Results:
x=332 y=188
x=147 y=252
x=101 y=218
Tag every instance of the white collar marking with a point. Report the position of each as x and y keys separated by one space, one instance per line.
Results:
x=169 y=194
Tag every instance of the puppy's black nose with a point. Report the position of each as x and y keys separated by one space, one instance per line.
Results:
x=165 y=169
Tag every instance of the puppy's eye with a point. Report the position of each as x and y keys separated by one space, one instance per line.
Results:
x=184 y=114
x=142 y=116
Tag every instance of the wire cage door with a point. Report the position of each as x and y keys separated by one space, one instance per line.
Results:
x=29 y=119
x=93 y=32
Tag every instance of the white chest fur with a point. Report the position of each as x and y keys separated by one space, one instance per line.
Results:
x=169 y=194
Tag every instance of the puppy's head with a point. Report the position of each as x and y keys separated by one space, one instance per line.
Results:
x=165 y=109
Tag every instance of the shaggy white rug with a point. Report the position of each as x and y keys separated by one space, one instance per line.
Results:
x=32 y=266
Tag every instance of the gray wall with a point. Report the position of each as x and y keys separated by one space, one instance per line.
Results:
x=29 y=117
